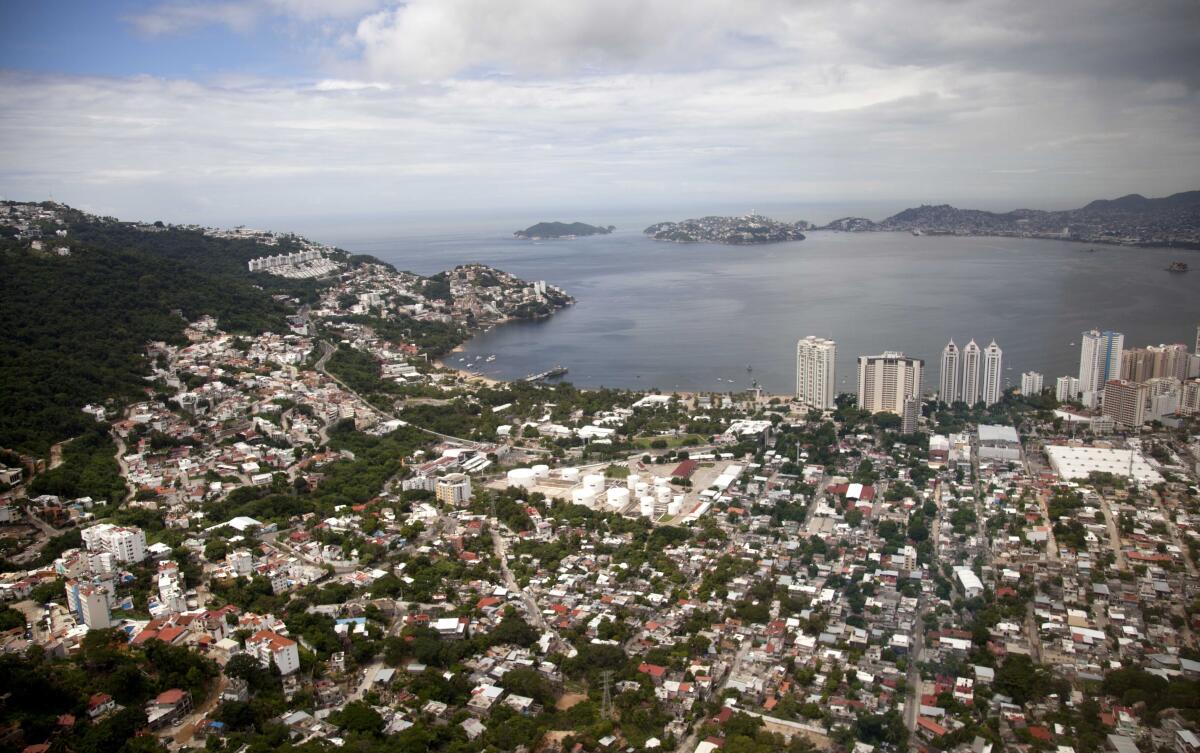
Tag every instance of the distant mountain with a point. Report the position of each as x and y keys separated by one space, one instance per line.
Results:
x=751 y=229
x=1133 y=220
x=562 y=230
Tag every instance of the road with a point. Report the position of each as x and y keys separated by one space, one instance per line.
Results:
x=690 y=742
x=327 y=351
x=500 y=545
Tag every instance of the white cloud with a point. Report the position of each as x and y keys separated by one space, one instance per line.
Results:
x=177 y=16
x=528 y=102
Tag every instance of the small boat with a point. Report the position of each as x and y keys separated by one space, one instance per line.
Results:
x=489 y=359
x=1178 y=266
x=917 y=231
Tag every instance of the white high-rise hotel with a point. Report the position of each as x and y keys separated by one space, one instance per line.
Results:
x=969 y=393
x=887 y=380
x=993 y=387
x=948 y=388
x=815 y=358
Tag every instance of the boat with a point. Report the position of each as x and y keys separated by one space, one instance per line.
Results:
x=489 y=359
x=917 y=231
x=1178 y=266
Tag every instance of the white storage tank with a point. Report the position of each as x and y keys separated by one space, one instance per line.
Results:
x=595 y=482
x=582 y=496
x=642 y=488
x=661 y=481
x=647 y=506
x=541 y=471
x=674 y=507
x=521 y=477
x=632 y=481
x=569 y=474
x=618 y=498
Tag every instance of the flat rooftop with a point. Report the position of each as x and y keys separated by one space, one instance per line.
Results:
x=1077 y=463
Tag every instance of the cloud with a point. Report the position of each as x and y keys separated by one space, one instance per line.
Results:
x=1123 y=38
x=178 y=16
x=528 y=103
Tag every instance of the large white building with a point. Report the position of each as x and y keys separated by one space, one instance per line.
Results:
x=91 y=604
x=993 y=386
x=1066 y=388
x=885 y=381
x=453 y=489
x=969 y=392
x=948 y=387
x=126 y=544
x=1031 y=383
x=268 y=647
x=1125 y=402
x=815 y=372
x=1099 y=361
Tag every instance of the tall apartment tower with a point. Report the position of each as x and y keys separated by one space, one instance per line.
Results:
x=1099 y=359
x=1144 y=364
x=815 y=372
x=1031 y=383
x=948 y=387
x=970 y=375
x=885 y=381
x=993 y=386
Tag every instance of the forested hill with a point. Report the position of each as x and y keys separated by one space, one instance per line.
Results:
x=73 y=327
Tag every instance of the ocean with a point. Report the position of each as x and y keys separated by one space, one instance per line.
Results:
x=710 y=317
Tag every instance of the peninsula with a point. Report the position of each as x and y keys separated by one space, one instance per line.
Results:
x=547 y=230
x=751 y=229
x=1131 y=220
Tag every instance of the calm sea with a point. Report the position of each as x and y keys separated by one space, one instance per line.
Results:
x=708 y=317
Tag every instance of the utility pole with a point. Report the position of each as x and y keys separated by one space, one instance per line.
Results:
x=606 y=709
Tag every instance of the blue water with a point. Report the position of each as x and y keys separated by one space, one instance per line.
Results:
x=694 y=317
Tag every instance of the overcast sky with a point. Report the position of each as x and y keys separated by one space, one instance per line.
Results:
x=228 y=111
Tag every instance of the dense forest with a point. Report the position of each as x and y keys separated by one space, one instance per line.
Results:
x=74 y=327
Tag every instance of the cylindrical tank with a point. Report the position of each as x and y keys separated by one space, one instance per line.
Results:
x=661 y=481
x=521 y=477
x=595 y=482
x=642 y=488
x=646 y=506
x=618 y=497
x=674 y=507
x=569 y=474
x=663 y=493
x=632 y=481
x=541 y=471
x=582 y=496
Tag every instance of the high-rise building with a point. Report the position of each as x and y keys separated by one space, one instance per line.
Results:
x=815 y=372
x=1066 y=388
x=1196 y=349
x=885 y=381
x=1125 y=402
x=1189 y=398
x=993 y=387
x=1144 y=364
x=453 y=489
x=1031 y=383
x=911 y=416
x=1099 y=359
x=969 y=393
x=948 y=387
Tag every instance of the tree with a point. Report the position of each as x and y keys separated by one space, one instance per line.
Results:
x=358 y=717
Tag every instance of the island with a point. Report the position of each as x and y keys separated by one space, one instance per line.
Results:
x=751 y=229
x=549 y=230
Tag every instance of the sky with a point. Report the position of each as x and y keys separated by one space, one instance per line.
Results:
x=244 y=111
